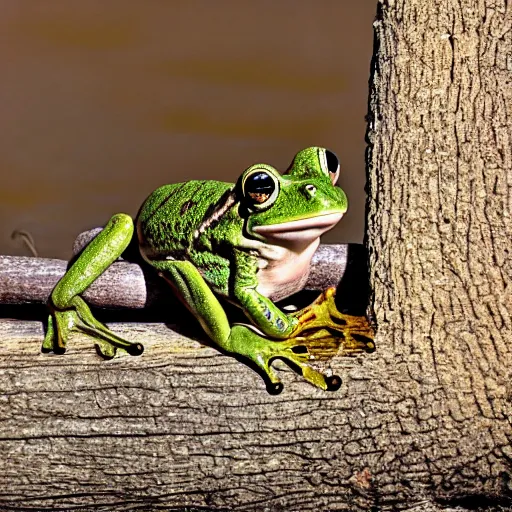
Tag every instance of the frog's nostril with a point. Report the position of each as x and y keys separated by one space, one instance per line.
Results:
x=310 y=190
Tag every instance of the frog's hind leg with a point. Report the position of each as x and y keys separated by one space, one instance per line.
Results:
x=239 y=340
x=69 y=312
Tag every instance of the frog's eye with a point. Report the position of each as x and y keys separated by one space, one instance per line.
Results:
x=260 y=188
x=331 y=165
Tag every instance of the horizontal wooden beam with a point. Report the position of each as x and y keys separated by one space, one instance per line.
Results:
x=28 y=280
x=181 y=427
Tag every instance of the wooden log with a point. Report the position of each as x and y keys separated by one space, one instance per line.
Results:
x=181 y=427
x=27 y=280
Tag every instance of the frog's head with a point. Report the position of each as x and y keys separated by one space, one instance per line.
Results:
x=297 y=207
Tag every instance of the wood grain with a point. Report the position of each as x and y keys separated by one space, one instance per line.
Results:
x=439 y=231
x=181 y=425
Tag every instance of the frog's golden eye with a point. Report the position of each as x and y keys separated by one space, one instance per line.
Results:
x=260 y=188
x=331 y=165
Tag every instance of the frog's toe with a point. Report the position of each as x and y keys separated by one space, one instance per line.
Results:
x=105 y=350
x=322 y=313
x=367 y=344
x=299 y=356
x=79 y=318
x=48 y=343
x=60 y=324
x=262 y=351
x=356 y=343
x=109 y=344
x=333 y=382
x=135 y=349
x=273 y=383
x=320 y=380
x=275 y=388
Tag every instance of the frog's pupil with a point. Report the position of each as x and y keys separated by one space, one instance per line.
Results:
x=332 y=161
x=259 y=187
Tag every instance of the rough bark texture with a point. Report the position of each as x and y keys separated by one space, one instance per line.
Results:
x=179 y=428
x=439 y=417
x=422 y=424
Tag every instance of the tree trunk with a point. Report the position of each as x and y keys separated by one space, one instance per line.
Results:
x=422 y=424
x=439 y=234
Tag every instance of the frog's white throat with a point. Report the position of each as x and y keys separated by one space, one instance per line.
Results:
x=285 y=255
x=297 y=234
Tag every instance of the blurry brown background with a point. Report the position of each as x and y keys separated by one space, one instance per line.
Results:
x=101 y=102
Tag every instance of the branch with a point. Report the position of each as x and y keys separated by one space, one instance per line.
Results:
x=28 y=280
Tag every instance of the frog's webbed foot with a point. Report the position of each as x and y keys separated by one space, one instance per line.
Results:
x=323 y=316
x=262 y=351
x=78 y=318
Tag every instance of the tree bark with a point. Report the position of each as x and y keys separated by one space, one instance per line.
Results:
x=422 y=424
x=439 y=235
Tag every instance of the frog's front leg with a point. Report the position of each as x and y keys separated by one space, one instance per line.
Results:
x=262 y=312
x=239 y=340
x=69 y=312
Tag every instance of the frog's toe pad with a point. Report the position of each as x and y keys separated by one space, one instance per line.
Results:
x=333 y=383
x=275 y=388
x=370 y=347
x=135 y=349
x=367 y=344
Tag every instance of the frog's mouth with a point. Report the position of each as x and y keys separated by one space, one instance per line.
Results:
x=302 y=230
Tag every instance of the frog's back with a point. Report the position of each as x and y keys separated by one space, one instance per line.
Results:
x=169 y=217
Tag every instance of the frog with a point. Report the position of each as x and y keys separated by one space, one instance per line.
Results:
x=248 y=243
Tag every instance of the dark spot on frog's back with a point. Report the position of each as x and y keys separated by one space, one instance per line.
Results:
x=186 y=206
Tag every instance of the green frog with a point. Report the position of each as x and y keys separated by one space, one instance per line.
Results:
x=248 y=243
